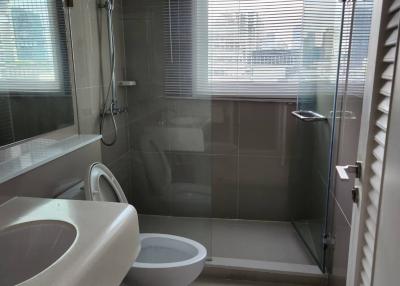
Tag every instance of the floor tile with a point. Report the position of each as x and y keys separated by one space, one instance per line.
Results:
x=217 y=282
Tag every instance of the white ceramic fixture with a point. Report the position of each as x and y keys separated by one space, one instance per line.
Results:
x=63 y=242
x=164 y=260
x=167 y=260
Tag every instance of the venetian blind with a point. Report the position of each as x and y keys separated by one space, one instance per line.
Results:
x=249 y=48
x=33 y=48
x=355 y=41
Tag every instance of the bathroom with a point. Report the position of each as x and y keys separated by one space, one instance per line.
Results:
x=199 y=142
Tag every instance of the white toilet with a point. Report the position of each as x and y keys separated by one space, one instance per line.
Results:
x=164 y=260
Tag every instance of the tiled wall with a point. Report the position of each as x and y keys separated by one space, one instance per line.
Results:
x=92 y=71
x=241 y=156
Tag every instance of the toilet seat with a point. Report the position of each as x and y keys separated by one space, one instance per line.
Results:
x=98 y=178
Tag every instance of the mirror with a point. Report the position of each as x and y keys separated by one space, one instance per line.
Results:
x=35 y=79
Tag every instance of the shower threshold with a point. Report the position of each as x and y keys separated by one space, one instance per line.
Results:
x=261 y=250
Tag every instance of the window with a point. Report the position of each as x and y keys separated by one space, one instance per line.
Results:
x=250 y=48
x=33 y=51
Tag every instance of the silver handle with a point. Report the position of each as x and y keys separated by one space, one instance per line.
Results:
x=308 y=115
x=343 y=171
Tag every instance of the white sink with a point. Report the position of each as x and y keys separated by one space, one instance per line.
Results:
x=29 y=248
x=62 y=242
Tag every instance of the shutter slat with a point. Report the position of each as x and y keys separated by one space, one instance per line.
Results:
x=374 y=195
x=382 y=122
x=394 y=21
x=384 y=105
x=375 y=182
x=392 y=40
x=388 y=73
x=369 y=240
x=380 y=138
x=365 y=279
x=379 y=153
x=395 y=6
x=386 y=89
x=371 y=226
x=376 y=167
x=368 y=256
x=390 y=55
x=367 y=266
x=372 y=212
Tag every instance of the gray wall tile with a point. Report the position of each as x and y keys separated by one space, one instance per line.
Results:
x=93 y=73
x=260 y=126
x=224 y=198
x=263 y=188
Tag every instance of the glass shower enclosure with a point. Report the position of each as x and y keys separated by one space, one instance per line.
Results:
x=315 y=125
x=215 y=162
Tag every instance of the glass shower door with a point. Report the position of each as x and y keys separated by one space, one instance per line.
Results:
x=311 y=153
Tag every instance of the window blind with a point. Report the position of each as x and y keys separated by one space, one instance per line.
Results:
x=355 y=40
x=249 y=48
x=33 y=48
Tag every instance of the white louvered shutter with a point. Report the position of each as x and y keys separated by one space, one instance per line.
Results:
x=375 y=155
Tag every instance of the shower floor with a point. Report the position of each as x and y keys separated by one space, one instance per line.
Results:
x=240 y=244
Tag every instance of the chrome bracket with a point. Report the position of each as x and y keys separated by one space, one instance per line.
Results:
x=328 y=240
x=308 y=116
x=343 y=171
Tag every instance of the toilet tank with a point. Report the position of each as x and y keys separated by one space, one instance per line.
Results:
x=76 y=192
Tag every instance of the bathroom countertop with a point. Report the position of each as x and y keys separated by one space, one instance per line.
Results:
x=23 y=158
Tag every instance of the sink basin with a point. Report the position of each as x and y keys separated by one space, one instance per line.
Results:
x=29 y=248
x=47 y=242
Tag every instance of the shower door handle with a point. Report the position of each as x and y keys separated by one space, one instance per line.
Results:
x=343 y=171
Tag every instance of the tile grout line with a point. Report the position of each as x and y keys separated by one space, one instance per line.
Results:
x=237 y=163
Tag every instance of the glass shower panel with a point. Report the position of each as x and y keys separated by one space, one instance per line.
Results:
x=169 y=129
x=311 y=152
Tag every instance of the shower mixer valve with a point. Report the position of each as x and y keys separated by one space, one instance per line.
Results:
x=115 y=110
x=108 y=4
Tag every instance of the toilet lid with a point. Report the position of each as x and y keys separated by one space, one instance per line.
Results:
x=103 y=186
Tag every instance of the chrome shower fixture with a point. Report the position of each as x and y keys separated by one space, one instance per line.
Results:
x=108 y=5
x=110 y=107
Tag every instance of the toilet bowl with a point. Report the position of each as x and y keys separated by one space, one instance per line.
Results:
x=164 y=260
